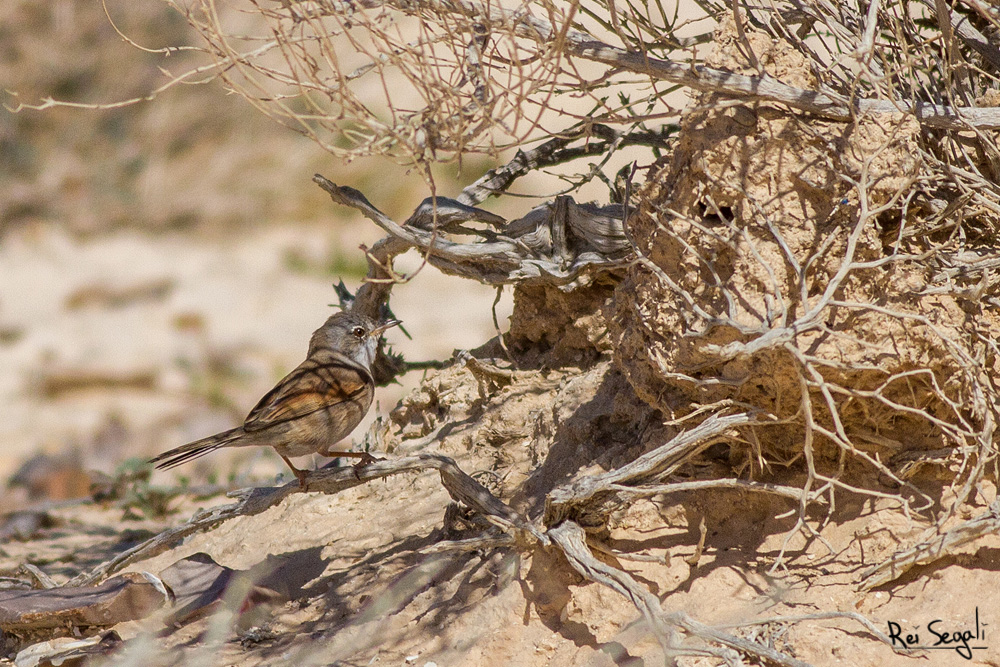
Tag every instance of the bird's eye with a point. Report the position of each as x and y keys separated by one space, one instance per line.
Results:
x=359 y=332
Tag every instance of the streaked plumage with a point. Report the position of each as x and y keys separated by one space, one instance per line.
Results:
x=313 y=407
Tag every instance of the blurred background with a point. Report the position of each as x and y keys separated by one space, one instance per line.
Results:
x=162 y=264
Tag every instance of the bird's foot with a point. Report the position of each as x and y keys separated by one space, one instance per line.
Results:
x=300 y=475
x=367 y=459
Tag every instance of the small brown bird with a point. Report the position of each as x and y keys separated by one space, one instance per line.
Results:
x=313 y=407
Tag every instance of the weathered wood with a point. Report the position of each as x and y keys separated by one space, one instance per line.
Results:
x=556 y=243
x=585 y=495
x=123 y=598
x=68 y=651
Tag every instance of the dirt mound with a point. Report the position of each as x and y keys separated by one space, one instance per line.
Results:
x=556 y=327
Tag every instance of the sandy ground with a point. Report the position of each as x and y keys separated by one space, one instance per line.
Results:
x=361 y=584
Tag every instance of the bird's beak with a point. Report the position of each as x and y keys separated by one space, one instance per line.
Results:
x=379 y=330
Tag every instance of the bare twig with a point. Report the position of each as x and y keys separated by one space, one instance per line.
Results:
x=557 y=151
x=571 y=539
x=932 y=549
x=647 y=490
x=968 y=34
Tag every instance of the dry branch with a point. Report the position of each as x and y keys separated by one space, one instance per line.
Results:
x=465 y=119
x=826 y=104
x=976 y=40
x=557 y=151
x=585 y=495
x=932 y=549
x=556 y=244
x=763 y=87
x=647 y=490
x=571 y=539
x=461 y=486
x=484 y=75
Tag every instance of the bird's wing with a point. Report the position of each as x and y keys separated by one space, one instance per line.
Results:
x=316 y=384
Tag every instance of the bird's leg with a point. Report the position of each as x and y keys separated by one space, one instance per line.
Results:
x=299 y=474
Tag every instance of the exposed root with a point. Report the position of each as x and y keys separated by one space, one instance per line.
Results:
x=571 y=539
x=932 y=548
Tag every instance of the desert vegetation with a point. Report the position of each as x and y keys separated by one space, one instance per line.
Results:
x=745 y=408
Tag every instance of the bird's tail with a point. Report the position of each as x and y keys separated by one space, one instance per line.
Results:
x=193 y=450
